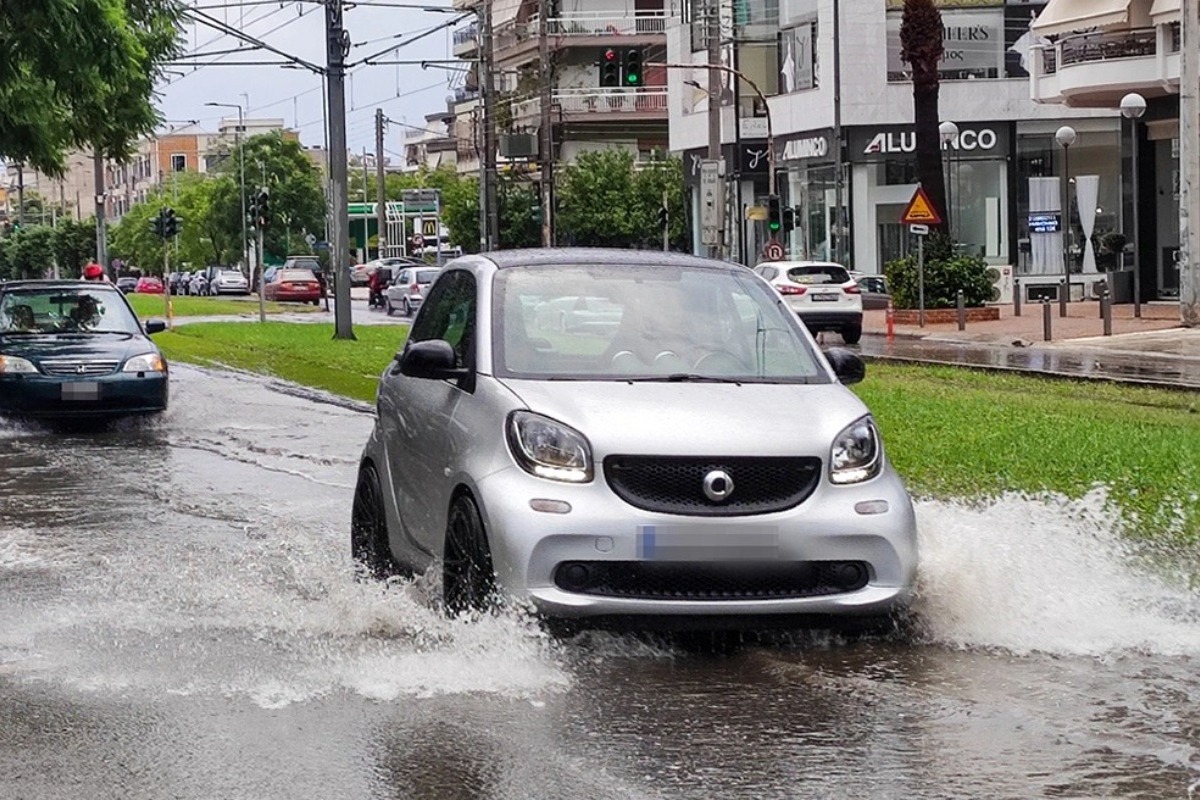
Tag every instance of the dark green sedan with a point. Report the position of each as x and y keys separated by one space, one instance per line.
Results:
x=76 y=349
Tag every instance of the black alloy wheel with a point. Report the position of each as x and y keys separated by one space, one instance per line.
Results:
x=407 y=308
x=468 y=576
x=387 y=304
x=368 y=528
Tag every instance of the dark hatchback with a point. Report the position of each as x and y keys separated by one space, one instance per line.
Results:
x=73 y=349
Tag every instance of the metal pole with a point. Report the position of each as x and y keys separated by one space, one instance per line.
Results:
x=921 y=281
x=1106 y=313
x=262 y=301
x=380 y=188
x=714 y=104
x=838 y=177
x=21 y=194
x=545 y=131
x=666 y=223
x=167 y=285
x=962 y=311
x=1016 y=297
x=237 y=138
x=490 y=207
x=366 y=216
x=337 y=45
x=1063 y=289
x=1066 y=222
x=101 y=227
x=1189 y=165
x=1137 y=242
x=1046 y=319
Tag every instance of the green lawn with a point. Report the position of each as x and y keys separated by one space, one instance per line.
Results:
x=150 y=306
x=950 y=432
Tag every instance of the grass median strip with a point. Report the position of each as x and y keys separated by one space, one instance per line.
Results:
x=952 y=433
x=153 y=306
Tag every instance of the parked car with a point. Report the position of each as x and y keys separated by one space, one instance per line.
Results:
x=127 y=283
x=293 y=285
x=175 y=281
x=874 y=290
x=701 y=463
x=823 y=294
x=228 y=281
x=407 y=291
x=149 y=284
x=76 y=349
x=360 y=274
x=311 y=263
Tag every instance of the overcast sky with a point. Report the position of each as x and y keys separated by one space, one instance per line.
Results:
x=406 y=93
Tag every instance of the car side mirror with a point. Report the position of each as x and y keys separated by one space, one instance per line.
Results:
x=154 y=326
x=847 y=365
x=433 y=359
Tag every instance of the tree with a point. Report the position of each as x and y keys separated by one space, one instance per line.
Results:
x=74 y=245
x=664 y=177
x=80 y=74
x=945 y=272
x=921 y=47
x=27 y=252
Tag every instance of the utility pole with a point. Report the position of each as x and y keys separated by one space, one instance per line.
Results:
x=337 y=42
x=836 y=254
x=1189 y=165
x=366 y=216
x=714 y=107
x=545 y=132
x=21 y=194
x=380 y=189
x=101 y=228
x=489 y=208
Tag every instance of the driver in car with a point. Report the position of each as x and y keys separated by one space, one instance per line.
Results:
x=86 y=312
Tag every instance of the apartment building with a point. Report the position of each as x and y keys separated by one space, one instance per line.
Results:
x=583 y=115
x=845 y=159
x=1090 y=56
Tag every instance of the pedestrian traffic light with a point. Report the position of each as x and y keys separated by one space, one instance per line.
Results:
x=633 y=68
x=262 y=203
x=774 y=215
x=664 y=217
x=610 y=69
x=789 y=219
x=170 y=223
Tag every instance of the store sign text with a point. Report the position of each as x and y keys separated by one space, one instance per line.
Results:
x=799 y=149
x=906 y=142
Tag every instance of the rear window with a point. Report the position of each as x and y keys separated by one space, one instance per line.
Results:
x=296 y=275
x=306 y=263
x=818 y=273
x=230 y=273
x=426 y=275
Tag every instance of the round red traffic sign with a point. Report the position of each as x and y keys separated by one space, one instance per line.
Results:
x=773 y=251
x=418 y=240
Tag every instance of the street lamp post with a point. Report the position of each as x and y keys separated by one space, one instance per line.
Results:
x=948 y=131
x=237 y=139
x=1133 y=106
x=1065 y=136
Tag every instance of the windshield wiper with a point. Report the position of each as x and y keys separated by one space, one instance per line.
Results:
x=682 y=377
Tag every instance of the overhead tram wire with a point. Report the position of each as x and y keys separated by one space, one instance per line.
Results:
x=252 y=22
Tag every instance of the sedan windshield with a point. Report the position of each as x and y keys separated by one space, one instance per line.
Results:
x=58 y=309
x=668 y=323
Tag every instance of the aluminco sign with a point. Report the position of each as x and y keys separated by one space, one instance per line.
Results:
x=799 y=149
x=906 y=142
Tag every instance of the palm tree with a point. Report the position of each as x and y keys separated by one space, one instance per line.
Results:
x=921 y=48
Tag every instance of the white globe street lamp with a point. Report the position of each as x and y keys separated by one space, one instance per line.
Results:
x=1133 y=106
x=1065 y=136
x=948 y=132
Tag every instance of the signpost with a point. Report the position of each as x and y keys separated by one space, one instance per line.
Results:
x=918 y=215
x=712 y=203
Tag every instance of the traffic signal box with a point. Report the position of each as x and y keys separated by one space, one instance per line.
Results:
x=625 y=68
x=774 y=216
x=610 y=69
x=632 y=67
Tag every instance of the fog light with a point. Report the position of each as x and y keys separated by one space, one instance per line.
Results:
x=574 y=576
x=551 y=506
x=867 y=507
x=850 y=576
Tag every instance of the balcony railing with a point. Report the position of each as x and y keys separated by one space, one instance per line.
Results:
x=649 y=100
x=1091 y=47
x=467 y=35
x=606 y=23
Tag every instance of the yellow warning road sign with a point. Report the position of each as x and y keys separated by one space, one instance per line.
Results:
x=920 y=210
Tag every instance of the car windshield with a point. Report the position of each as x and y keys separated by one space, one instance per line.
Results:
x=57 y=309
x=818 y=273
x=653 y=323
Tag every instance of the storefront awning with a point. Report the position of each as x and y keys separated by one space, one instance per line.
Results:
x=1164 y=11
x=1064 y=16
x=504 y=12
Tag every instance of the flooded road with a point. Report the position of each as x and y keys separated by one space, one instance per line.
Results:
x=180 y=621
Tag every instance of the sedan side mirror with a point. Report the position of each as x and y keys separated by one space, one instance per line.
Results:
x=154 y=326
x=847 y=365
x=433 y=359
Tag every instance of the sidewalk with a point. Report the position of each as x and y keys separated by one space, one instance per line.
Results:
x=1154 y=349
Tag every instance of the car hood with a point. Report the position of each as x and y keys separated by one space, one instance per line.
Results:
x=118 y=346
x=697 y=418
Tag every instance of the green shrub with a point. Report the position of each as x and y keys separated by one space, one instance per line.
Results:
x=945 y=273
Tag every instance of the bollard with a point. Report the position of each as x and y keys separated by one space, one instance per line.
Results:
x=1103 y=294
x=962 y=311
x=891 y=320
x=1046 y=319
x=1106 y=313
x=1063 y=289
x=1017 y=297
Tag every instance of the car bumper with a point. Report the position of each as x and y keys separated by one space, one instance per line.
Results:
x=233 y=290
x=528 y=548
x=831 y=319
x=296 y=297
x=117 y=394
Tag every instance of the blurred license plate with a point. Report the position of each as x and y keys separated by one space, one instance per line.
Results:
x=824 y=298
x=81 y=390
x=689 y=543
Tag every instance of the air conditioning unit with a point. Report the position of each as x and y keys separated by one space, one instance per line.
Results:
x=1002 y=284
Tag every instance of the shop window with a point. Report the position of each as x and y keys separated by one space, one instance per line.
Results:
x=798 y=58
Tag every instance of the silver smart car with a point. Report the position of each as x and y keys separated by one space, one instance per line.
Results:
x=687 y=456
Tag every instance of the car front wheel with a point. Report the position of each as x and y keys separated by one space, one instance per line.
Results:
x=468 y=577
x=368 y=528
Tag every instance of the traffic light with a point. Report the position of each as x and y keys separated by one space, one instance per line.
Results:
x=170 y=224
x=610 y=69
x=634 y=76
x=774 y=215
x=262 y=204
x=789 y=219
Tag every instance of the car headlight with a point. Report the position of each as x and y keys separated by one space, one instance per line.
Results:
x=13 y=365
x=147 y=362
x=856 y=455
x=549 y=449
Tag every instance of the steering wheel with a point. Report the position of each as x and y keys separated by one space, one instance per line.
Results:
x=719 y=361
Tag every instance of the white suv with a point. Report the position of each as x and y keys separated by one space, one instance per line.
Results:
x=823 y=295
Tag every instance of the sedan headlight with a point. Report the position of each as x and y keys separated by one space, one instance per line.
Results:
x=147 y=362
x=12 y=365
x=856 y=455
x=549 y=449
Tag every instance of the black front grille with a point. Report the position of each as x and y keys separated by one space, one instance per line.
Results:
x=675 y=484
x=79 y=367
x=701 y=581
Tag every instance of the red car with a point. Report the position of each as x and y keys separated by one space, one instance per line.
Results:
x=293 y=286
x=149 y=285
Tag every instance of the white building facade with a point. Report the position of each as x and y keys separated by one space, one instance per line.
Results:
x=1001 y=167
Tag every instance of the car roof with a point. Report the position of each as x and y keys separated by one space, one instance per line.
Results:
x=791 y=264
x=566 y=256
x=65 y=283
